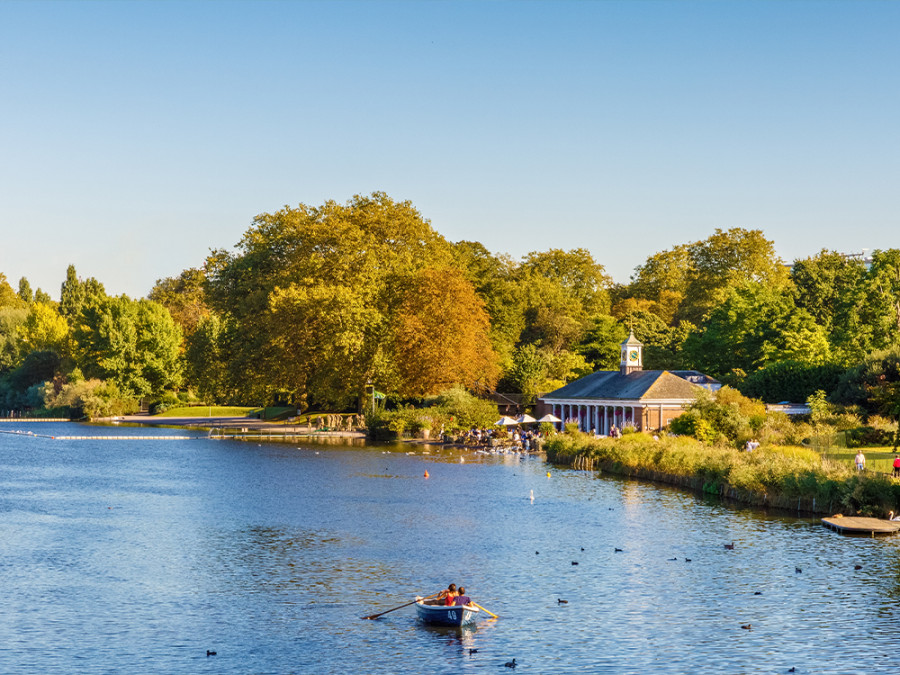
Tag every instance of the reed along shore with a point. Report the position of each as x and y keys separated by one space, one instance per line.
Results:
x=783 y=477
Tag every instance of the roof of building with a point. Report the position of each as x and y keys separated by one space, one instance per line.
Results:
x=640 y=384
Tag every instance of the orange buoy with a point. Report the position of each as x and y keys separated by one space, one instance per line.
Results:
x=426 y=473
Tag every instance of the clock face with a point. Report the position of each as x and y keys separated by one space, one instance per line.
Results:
x=632 y=355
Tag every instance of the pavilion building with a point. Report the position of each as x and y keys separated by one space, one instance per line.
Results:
x=630 y=396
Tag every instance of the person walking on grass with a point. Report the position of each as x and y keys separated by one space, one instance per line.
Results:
x=860 y=461
x=896 y=473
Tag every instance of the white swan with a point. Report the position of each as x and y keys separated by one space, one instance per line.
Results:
x=892 y=517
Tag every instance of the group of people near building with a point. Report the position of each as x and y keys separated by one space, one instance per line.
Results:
x=526 y=438
x=450 y=597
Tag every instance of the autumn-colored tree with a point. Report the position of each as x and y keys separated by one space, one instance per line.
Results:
x=339 y=267
x=441 y=335
x=8 y=297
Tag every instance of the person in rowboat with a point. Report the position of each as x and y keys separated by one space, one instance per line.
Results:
x=462 y=599
x=445 y=597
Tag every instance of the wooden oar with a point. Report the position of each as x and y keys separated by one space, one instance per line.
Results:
x=487 y=611
x=375 y=616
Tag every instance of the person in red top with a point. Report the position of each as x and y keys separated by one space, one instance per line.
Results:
x=896 y=466
x=445 y=597
x=451 y=595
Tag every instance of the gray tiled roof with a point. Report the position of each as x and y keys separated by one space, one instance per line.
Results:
x=612 y=384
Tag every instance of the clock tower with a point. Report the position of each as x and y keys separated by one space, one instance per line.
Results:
x=631 y=356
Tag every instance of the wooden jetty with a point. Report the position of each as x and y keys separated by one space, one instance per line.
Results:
x=857 y=525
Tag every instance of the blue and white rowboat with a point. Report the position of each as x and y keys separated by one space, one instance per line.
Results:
x=441 y=615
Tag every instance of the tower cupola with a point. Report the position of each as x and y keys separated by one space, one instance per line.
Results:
x=631 y=355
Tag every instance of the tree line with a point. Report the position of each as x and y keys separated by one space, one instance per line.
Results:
x=316 y=302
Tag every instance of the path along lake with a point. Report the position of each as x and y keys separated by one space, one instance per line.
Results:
x=138 y=556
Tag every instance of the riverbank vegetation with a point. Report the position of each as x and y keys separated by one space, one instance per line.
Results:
x=788 y=477
x=315 y=304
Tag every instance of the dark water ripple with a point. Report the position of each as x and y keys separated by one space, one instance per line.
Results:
x=139 y=556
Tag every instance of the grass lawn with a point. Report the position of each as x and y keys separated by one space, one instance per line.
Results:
x=206 y=411
x=877 y=459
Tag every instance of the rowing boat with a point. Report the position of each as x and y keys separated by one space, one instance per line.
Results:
x=441 y=615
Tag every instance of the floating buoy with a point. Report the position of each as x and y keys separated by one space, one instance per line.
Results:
x=426 y=473
x=532 y=496
x=548 y=474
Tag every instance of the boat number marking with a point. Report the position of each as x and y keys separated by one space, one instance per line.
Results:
x=453 y=615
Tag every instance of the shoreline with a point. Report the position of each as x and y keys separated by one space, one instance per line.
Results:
x=770 y=480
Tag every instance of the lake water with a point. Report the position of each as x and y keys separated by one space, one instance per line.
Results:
x=136 y=556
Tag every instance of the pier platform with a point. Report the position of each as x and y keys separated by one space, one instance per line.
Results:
x=859 y=525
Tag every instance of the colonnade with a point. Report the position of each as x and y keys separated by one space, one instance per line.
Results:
x=600 y=418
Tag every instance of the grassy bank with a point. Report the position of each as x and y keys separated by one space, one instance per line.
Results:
x=783 y=477
x=207 y=411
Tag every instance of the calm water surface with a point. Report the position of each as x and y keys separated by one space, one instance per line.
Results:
x=139 y=556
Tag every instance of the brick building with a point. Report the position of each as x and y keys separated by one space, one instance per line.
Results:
x=631 y=396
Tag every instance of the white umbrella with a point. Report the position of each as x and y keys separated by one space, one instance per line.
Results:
x=525 y=419
x=549 y=418
x=505 y=421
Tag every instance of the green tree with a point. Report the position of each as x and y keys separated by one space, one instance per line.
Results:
x=76 y=293
x=755 y=325
x=185 y=298
x=884 y=276
x=724 y=259
x=11 y=318
x=600 y=344
x=207 y=357
x=834 y=289
x=25 y=293
x=133 y=343
x=528 y=372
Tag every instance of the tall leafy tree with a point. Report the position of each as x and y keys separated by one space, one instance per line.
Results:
x=133 y=343
x=185 y=298
x=44 y=329
x=884 y=279
x=429 y=356
x=11 y=318
x=353 y=257
x=8 y=297
x=25 y=293
x=834 y=289
x=76 y=293
x=207 y=356
x=754 y=326
x=723 y=260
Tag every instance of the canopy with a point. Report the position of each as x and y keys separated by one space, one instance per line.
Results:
x=549 y=418
x=505 y=421
x=525 y=419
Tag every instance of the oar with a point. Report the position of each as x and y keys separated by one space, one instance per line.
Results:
x=375 y=616
x=485 y=610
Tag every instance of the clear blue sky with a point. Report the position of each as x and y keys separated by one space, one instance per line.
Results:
x=135 y=136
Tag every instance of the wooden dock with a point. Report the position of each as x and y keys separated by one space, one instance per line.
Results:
x=856 y=525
